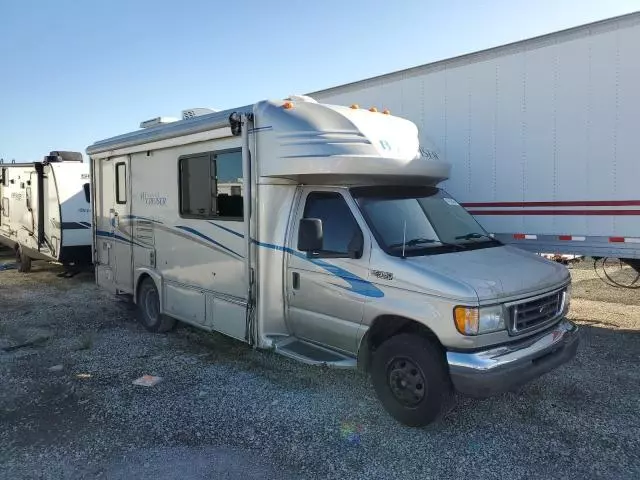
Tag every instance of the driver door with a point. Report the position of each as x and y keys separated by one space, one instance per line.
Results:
x=327 y=290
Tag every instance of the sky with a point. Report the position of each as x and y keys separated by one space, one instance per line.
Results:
x=73 y=72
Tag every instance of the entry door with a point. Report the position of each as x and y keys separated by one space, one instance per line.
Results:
x=326 y=291
x=122 y=246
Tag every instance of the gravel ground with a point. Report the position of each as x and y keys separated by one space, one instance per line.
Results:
x=68 y=408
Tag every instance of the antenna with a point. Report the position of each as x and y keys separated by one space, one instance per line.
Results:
x=404 y=236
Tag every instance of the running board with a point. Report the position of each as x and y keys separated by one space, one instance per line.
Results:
x=312 y=354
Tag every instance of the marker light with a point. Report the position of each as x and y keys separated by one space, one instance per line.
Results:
x=386 y=111
x=287 y=105
x=355 y=106
x=373 y=109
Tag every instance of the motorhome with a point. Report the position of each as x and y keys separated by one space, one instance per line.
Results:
x=319 y=232
x=45 y=211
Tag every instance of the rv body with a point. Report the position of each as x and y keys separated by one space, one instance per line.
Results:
x=45 y=210
x=541 y=134
x=296 y=226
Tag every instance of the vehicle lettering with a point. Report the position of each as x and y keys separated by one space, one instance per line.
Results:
x=429 y=154
x=153 y=199
x=382 y=275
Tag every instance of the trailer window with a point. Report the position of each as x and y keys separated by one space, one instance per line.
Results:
x=5 y=207
x=211 y=185
x=87 y=192
x=121 y=183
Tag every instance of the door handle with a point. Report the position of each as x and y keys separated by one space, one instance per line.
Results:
x=295 y=280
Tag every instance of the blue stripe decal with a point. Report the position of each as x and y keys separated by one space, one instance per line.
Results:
x=233 y=232
x=209 y=239
x=102 y=233
x=356 y=284
x=135 y=217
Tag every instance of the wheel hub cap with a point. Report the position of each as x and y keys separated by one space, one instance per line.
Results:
x=406 y=381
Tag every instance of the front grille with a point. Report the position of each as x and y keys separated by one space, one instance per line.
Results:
x=536 y=313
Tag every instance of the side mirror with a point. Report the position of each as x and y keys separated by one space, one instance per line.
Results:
x=310 y=235
x=356 y=245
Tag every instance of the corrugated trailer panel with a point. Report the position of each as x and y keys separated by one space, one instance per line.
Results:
x=542 y=134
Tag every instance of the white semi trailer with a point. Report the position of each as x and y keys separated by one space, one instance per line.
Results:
x=542 y=135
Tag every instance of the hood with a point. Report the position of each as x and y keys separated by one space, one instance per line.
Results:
x=495 y=273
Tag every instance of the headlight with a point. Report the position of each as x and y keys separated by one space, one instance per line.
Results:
x=478 y=320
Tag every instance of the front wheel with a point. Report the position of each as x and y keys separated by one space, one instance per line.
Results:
x=410 y=377
x=149 y=308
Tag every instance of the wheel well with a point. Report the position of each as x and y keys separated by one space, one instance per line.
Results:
x=385 y=327
x=141 y=279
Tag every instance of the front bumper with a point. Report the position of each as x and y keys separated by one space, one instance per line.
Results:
x=507 y=366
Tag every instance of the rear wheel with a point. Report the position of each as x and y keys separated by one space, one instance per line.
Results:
x=22 y=261
x=410 y=377
x=149 y=308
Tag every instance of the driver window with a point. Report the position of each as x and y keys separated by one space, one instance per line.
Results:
x=339 y=227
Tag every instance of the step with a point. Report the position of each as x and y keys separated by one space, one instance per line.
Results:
x=312 y=354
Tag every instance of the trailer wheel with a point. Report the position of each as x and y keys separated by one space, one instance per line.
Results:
x=149 y=308
x=23 y=261
x=410 y=377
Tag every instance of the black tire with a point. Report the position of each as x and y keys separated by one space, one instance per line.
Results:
x=149 y=309
x=22 y=261
x=410 y=377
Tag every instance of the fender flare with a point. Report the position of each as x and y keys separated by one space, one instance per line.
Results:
x=155 y=276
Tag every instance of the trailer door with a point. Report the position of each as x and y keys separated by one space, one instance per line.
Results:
x=122 y=247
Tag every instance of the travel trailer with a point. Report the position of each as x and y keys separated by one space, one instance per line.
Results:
x=45 y=212
x=542 y=135
x=319 y=232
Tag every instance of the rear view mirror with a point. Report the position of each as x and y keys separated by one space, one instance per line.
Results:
x=310 y=235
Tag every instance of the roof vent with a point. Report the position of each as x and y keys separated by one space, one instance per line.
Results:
x=196 y=112
x=63 y=156
x=154 y=122
x=301 y=98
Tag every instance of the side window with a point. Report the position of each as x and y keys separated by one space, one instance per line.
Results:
x=5 y=207
x=211 y=185
x=3 y=177
x=339 y=228
x=28 y=197
x=87 y=192
x=121 y=183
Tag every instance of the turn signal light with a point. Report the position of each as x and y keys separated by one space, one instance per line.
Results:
x=467 y=320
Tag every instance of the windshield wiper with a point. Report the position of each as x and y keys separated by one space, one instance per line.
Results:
x=420 y=240
x=471 y=235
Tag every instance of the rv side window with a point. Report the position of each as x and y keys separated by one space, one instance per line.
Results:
x=211 y=185
x=5 y=207
x=338 y=224
x=87 y=192
x=121 y=183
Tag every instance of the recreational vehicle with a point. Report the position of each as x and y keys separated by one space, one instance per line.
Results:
x=319 y=232
x=45 y=212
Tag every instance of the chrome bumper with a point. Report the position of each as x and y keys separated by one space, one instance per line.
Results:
x=507 y=366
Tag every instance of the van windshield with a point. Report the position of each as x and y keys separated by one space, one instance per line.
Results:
x=419 y=221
